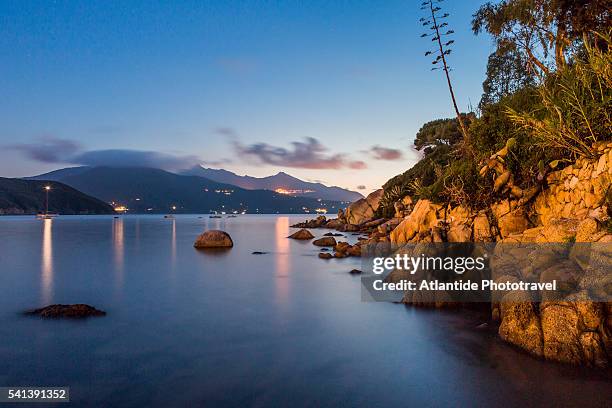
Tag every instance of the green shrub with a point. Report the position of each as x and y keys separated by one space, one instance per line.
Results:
x=576 y=104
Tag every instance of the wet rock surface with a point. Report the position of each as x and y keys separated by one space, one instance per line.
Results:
x=214 y=239
x=74 y=311
x=325 y=242
x=302 y=234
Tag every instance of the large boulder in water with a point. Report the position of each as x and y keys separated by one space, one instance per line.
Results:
x=76 y=311
x=302 y=234
x=325 y=242
x=214 y=239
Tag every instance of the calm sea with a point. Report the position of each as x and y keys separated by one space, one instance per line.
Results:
x=232 y=329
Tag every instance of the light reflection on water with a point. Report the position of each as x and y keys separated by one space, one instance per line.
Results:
x=282 y=279
x=234 y=329
x=118 y=251
x=47 y=261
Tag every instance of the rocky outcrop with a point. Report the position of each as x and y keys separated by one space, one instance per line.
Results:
x=75 y=311
x=318 y=222
x=579 y=190
x=302 y=234
x=572 y=208
x=325 y=242
x=418 y=224
x=364 y=209
x=520 y=323
x=214 y=239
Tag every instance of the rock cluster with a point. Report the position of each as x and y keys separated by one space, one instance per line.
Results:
x=571 y=206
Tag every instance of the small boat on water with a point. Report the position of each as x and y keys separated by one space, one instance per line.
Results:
x=215 y=216
x=46 y=216
x=169 y=216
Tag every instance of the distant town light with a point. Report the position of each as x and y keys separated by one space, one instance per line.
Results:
x=286 y=191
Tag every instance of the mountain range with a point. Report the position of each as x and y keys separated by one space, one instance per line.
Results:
x=18 y=196
x=157 y=191
x=279 y=182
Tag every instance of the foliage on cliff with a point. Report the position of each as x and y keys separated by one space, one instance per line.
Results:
x=553 y=109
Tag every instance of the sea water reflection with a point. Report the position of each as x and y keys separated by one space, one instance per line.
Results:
x=235 y=329
x=46 y=261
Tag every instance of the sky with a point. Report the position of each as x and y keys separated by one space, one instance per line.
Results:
x=332 y=91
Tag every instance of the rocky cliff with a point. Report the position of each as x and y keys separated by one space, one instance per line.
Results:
x=570 y=206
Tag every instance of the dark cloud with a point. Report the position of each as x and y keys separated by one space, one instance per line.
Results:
x=361 y=187
x=135 y=158
x=385 y=153
x=309 y=154
x=48 y=149
x=52 y=150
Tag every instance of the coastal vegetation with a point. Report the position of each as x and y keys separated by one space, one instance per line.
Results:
x=547 y=99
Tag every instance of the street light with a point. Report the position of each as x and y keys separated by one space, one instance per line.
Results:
x=47 y=188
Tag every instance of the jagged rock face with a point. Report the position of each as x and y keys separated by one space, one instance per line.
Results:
x=573 y=208
x=569 y=332
x=520 y=322
x=460 y=228
x=421 y=220
x=482 y=228
x=510 y=219
x=363 y=209
x=578 y=190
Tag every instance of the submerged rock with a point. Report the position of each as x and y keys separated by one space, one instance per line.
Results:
x=325 y=242
x=333 y=234
x=76 y=311
x=354 y=271
x=214 y=239
x=258 y=253
x=320 y=221
x=302 y=234
x=325 y=255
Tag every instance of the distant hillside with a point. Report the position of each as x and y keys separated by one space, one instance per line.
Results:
x=281 y=180
x=157 y=191
x=18 y=196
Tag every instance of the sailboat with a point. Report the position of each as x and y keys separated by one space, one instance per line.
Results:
x=46 y=215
